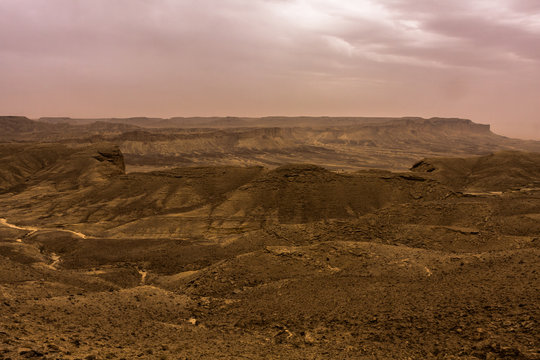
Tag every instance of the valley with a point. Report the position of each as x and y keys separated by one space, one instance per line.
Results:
x=327 y=238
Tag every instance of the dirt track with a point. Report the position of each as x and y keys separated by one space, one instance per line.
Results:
x=32 y=229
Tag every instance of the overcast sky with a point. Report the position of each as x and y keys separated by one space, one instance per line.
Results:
x=100 y=58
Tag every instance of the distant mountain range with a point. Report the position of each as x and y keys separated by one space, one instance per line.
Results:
x=236 y=122
x=333 y=142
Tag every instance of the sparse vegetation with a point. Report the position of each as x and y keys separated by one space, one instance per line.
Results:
x=293 y=261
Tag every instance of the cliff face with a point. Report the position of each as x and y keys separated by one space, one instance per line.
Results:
x=112 y=155
x=461 y=125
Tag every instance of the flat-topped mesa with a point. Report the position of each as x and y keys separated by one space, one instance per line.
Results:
x=15 y=124
x=452 y=125
x=14 y=118
x=17 y=127
x=462 y=125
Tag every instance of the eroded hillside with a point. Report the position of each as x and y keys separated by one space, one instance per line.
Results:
x=295 y=261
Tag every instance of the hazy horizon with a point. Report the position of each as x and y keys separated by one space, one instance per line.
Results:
x=161 y=58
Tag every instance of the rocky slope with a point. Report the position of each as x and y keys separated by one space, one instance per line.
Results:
x=88 y=188
x=292 y=262
x=495 y=172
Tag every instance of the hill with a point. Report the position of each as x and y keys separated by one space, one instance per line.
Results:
x=494 y=172
x=196 y=200
x=296 y=261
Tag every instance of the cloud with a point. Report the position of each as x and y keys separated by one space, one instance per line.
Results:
x=260 y=57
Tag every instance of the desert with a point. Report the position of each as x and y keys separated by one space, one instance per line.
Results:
x=270 y=179
x=257 y=259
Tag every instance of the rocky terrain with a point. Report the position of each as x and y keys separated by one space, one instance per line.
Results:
x=334 y=143
x=294 y=262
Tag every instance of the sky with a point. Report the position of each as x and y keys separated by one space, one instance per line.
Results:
x=161 y=58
